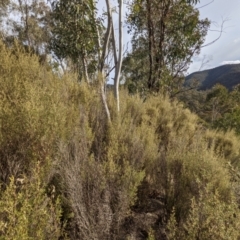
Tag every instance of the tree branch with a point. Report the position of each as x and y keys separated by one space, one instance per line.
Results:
x=220 y=34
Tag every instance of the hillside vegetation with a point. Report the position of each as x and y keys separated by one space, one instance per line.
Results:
x=217 y=107
x=67 y=172
x=226 y=75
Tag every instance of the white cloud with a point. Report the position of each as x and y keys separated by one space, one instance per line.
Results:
x=230 y=62
x=236 y=40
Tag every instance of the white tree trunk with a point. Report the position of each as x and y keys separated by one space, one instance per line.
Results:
x=102 y=58
x=120 y=53
x=117 y=59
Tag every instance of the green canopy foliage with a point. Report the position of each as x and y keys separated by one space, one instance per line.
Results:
x=166 y=34
x=75 y=33
x=218 y=107
x=30 y=26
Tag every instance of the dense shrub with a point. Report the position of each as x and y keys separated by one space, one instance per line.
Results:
x=27 y=212
x=153 y=172
x=36 y=109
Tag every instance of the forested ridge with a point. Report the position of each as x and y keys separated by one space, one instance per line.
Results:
x=227 y=75
x=146 y=159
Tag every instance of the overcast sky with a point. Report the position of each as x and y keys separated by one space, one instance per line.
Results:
x=227 y=48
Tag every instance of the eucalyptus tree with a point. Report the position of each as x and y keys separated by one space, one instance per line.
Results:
x=74 y=34
x=86 y=39
x=166 y=34
x=30 y=25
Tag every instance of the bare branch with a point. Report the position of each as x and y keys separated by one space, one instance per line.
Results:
x=183 y=90
x=126 y=49
x=110 y=71
x=220 y=34
x=205 y=5
x=204 y=62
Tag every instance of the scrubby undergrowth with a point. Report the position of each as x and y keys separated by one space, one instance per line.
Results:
x=152 y=173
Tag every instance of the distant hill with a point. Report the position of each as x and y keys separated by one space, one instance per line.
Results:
x=227 y=75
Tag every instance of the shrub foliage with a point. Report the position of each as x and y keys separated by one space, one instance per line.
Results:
x=154 y=172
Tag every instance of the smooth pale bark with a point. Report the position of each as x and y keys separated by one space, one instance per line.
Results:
x=102 y=52
x=114 y=47
x=103 y=56
x=107 y=35
x=120 y=50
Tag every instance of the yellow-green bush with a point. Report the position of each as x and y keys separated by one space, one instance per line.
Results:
x=152 y=158
x=27 y=213
x=209 y=219
x=179 y=162
x=100 y=173
x=225 y=144
x=35 y=109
